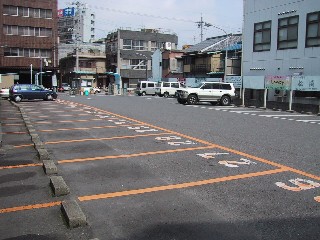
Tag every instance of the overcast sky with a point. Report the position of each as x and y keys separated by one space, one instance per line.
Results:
x=170 y=16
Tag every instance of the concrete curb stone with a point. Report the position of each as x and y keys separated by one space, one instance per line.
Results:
x=73 y=214
x=49 y=167
x=58 y=186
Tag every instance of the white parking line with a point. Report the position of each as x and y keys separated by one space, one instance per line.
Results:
x=284 y=115
x=308 y=120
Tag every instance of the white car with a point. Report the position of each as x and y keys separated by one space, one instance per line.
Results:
x=213 y=92
x=96 y=90
x=4 y=93
x=167 y=89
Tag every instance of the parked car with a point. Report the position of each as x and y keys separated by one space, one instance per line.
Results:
x=65 y=87
x=167 y=89
x=20 y=92
x=213 y=92
x=4 y=93
x=146 y=88
x=96 y=90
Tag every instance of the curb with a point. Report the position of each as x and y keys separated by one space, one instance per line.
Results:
x=70 y=209
x=73 y=214
x=59 y=186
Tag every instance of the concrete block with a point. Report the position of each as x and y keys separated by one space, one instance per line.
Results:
x=43 y=154
x=73 y=214
x=58 y=186
x=49 y=167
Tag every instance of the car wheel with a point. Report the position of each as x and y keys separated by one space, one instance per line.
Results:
x=192 y=99
x=49 y=97
x=17 y=98
x=181 y=101
x=143 y=93
x=225 y=101
x=166 y=94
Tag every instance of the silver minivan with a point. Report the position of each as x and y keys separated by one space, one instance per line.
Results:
x=146 y=88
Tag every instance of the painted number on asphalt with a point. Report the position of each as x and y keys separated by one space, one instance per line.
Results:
x=143 y=129
x=174 y=143
x=299 y=185
x=235 y=164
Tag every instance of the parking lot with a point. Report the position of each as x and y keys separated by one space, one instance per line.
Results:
x=136 y=180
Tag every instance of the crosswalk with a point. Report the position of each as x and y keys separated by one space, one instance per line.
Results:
x=302 y=118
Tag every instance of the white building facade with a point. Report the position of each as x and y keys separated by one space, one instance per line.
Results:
x=281 y=49
x=76 y=24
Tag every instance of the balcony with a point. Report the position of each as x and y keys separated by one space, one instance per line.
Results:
x=200 y=68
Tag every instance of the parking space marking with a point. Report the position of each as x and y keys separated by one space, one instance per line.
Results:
x=21 y=166
x=108 y=138
x=8 y=133
x=69 y=121
x=86 y=128
x=180 y=185
x=30 y=207
x=133 y=154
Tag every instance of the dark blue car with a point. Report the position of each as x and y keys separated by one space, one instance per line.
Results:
x=19 y=92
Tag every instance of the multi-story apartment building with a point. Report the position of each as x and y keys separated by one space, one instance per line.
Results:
x=76 y=24
x=281 y=50
x=128 y=53
x=28 y=40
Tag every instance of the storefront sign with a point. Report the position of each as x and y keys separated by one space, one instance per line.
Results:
x=236 y=80
x=278 y=82
x=306 y=83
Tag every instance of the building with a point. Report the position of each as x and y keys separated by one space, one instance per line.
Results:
x=84 y=69
x=207 y=58
x=167 y=65
x=281 y=51
x=128 y=53
x=28 y=40
x=76 y=24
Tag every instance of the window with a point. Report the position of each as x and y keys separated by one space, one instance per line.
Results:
x=175 y=85
x=288 y=32
x=127 y=44
x=150 y=84
x=154 y=46
x=166 y=84
x=138 y=64
x=138 y=44
x=262 y=36
x=313 y=30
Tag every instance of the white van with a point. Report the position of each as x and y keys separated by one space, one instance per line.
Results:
x=167 y=89
x=146 y=88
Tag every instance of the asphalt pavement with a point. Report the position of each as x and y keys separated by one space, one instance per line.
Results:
x=128 y=167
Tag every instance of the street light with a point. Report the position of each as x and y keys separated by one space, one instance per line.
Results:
x=146 y=61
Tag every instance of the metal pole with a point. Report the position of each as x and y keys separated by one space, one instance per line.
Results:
x=40 y=70
x=265 y=98
x=31 y=73
x=146 y=69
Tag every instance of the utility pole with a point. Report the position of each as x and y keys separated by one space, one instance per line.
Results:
x=202 y=24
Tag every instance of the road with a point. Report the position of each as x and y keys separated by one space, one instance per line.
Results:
x=150 y=168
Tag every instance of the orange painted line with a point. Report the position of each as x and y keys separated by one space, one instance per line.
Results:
x=133 y=155
x=208 y=143
x=24 y=145
x=9 y=118
x=69 y=121
x=179 y=186
x=29 y=207
x=14 y=133
x=110 y=138
x=86 y=128
x=13 y=124
x=21 y=166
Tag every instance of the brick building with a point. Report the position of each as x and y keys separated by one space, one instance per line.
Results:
x=29 y=36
